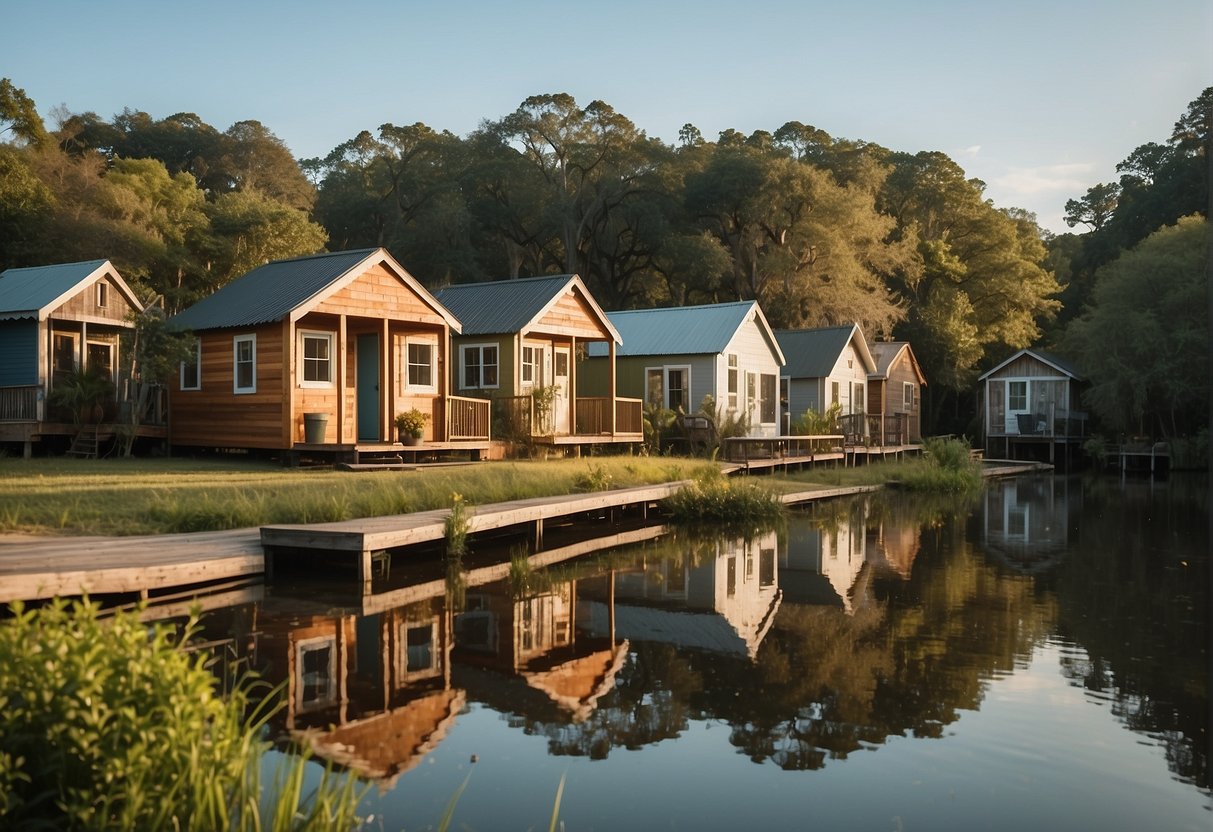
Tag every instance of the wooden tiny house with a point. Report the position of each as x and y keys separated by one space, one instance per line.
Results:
x=895 y=394
x=518 y=347
x=319 y=354
x=55 y=321
x=1029 y=400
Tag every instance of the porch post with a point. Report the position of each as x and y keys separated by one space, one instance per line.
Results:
x=385 y=382
x=611 y=387
x=573 y=385
x=342 y=357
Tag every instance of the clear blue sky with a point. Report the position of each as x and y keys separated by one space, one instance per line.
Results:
x=1038 y=99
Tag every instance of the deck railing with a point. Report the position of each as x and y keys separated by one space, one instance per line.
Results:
x=629 y=416
x=1055 y=424
x=19 y=404
x=592 y=416
x=889 y=429
x=467 y=418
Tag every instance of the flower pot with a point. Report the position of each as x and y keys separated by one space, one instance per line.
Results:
x=410 y=439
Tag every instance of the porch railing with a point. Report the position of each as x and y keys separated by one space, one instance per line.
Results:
x=592 y=416
x=629 y=416
x=1054 y=424
x=889 y=429
x=19 y=404
x=467 y=418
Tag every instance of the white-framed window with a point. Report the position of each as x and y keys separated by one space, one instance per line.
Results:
x=244 y=364
x=316 y=351
x=858 y=405
x=316 y=673
x=191 y=368
x=835 y=394
x=103 y=294
x=479 y=366
x=530 y=371
x=731 y=401
x=420 y=365
x=751 y=392
x=1017 y=396
x=907 y=396
x=768 y=387
x=669 y=387
x=417 y=646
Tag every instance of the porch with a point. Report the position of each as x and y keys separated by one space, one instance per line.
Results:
x=595 y=420
x=876 y=431
x=137 y=411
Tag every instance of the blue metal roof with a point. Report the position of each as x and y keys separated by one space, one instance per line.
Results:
x=499 y=307
x=812 y=353
x=681 y=330
x=269 y=293
x=23 y=292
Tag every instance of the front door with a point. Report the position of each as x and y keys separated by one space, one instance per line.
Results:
x=368 y=401
x=560 y=379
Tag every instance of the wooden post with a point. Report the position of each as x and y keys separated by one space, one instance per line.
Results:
x=342 y=372
x=573 y=386
x=611 y=388
x=385 y=382
x=364 y=571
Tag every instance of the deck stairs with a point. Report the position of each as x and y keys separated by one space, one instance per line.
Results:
x=85 y=443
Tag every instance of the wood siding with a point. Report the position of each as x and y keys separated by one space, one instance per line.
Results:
x=571 y=316
x=378 y=294
x=1027 y=366
x=754 y=355
x=82 y=306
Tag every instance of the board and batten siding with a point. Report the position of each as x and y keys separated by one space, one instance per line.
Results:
x=82 y=306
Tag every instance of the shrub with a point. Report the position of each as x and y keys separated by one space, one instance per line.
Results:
x=716 y=498
x=813 y=423
x=109 y=724
x=946 y=466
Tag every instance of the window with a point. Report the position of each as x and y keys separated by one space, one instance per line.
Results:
x=530 y=365
x=244 y=364
x=191 y=368
x=103 y=294
x=835 y=398
x=63 y=355
x=907 y=396
x=316 y=663
x=751 y=391
x=732 y=400
x=479 y=366
x=316 y=359
x=767 y=409
x=654 y=388
x=668 y=387
x=858 y=405
x=419 y=361
x=1017 y=395
x=99 y=358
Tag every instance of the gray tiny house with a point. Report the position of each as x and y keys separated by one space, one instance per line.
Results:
x=1029 y=401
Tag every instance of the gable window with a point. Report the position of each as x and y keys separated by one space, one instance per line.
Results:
x=420 y=356
x=103 y=294
x=316 y=359
x=479 y=366
x=191 y=368
x=767 y=409
x=244 y=364
x=907 y=396
x=732 y=395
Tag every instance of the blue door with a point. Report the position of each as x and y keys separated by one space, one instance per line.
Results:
x=368 y=388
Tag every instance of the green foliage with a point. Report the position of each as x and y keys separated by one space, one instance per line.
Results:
x=813 y=423
x=108 y=724
x=411 y=422
x=657 y=421
x=597 y=478
x=456 y=526
x=946 y=466
x=718 y=499
x=83 y=394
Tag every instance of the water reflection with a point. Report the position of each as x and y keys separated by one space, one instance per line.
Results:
x=862 y=620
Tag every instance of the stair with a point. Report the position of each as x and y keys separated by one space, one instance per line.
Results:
x=85 y=443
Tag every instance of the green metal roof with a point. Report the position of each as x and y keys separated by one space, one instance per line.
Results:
x=681 y=330
x=269 y=293
x=499 y=307
x=812 y=353
x=24 y=292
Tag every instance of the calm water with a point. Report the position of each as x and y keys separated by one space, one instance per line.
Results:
x=1037 y=660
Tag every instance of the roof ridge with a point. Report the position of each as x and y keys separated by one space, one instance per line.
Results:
x=679 y=308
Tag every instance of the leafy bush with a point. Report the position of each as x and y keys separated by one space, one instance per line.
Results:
x=715 y=498
x=597 y=478
x=813 y=423
x=946 y=466
x=107 y=724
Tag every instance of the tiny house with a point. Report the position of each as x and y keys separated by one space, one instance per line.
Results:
x=1028 y=401
x=895 y=394
x=826 y=366
x=674 y=358
x=518 y=347
x=55 y=321
x=320 y=353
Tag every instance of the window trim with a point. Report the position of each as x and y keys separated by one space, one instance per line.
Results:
x=665 y=369
x=329 y=696
x=732 y=382
x=907 y=396
x=463 y=366
x=772 y=402
x=430 y=341
x=302 y=380
x=197 y=362
x=103 y=294
x=237 y=340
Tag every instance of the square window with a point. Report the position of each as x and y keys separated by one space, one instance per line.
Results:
x=479 y=366
x=419 y=359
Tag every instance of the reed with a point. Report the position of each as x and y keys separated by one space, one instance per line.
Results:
x=108 y=724
x=715 y=498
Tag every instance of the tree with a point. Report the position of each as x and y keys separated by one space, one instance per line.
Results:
x=1095 y=209
x=18 y=114
x=1144 y=341
x=25 y=205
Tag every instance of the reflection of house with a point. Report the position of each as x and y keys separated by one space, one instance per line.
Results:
x=535 y=638
x=371 y=693
x=55 y=321
x=1028 y=400
x=1025 y=520
x=319 y=353
x=826 y=366
x=895 y=394
x=519 y=344
x=825 y=558
x=726 y=604
x=675 y=357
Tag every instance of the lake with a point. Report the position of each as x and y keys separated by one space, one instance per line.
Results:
x=1034 y=659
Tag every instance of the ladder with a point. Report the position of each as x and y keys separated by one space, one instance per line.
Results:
x=85 y=443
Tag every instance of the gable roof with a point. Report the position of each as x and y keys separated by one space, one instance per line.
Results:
x=686 y=330
x=36 y=291
x=1060 y=364
x=885 y=353
x=499 y=307
x=293 y=288
x=812 y=353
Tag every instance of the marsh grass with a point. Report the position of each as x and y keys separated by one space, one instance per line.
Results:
x=140 y=496
x=108 y=724
x=718 y=499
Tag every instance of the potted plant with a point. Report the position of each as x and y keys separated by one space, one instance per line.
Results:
x=409 y=425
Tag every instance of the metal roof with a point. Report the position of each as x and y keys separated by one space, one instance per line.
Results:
x=269 y=293
x=680 y=330
x=499 y=307
x=812 y=353
x=25 y=292
x=884 y=353
x=1059 y=364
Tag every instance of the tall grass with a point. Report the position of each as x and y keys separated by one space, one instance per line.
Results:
x=109 y=725
x=946 y=467
x=715 y=498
